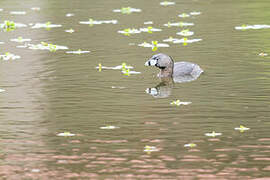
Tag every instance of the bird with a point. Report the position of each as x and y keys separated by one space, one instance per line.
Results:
x=179 y=71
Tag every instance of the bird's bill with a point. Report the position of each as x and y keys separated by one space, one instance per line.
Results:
x=150 y=62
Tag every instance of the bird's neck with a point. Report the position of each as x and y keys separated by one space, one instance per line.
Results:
x=166 y=72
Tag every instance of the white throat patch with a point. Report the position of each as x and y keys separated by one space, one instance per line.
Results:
x=151 y=62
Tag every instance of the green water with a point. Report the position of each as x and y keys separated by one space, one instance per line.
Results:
x=52 y=92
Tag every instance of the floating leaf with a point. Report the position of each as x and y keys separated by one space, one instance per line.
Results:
x=66 y=134
x=9 y=56
x=213 y=134
x=109 y=127
x=77 y=52
x=167 y=3
x=242 y=128
x=245 y=27
x=178 y=103
x=190 y=145
x=127 y=10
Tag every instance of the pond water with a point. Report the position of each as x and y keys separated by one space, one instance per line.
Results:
x=112 y=117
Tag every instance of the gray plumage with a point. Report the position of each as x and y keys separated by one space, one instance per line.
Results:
x=179 y=71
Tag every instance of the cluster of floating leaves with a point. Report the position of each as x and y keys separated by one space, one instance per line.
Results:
x=125 y=69
x=130 y=31
x=47 y=25
x=178 y=103
x=77 y=52
x=154 y=45
x=178 y=24
x=127 y=10
x=20 y=40
x=245 y=27
x=46 y=46
x=213 y=134
x=167 y=3
x=10 y=25
x=150 y=149
x=184 y=15
x=70 y=31
x=263 y=54
x=92 y=22
x=109 y=127
x=66 y=134
x=9 y=56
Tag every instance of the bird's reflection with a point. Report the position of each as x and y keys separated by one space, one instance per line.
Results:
x=164 y=88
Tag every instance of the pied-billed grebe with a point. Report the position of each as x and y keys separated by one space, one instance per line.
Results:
x=175 y=70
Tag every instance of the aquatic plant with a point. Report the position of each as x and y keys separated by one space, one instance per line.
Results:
x=129 y=31
x=148 y=22
x=127 y=10
x=92 y=22
x=245 y=27
x=69 y=14
x=241 y=128
x=77 y=52
x=170 y=39
x=35 y=8
x=70 y=30
x=178 y=103
x=119 y=67
x=150 y=149
x=9 y=56
x=20 y=40
x=66 y=134
x=183 y=15
x=154 y=45
x=263 y=54
x=17 y=12
x=190 y=145
x=8 y=26
x=48 y=25
x=185 y=41
x=185 y=32
x=195 y=13
x=46 y=46
x=150 y=29
x=213 y=134
x=109 y=127
x=167 y=3
x=179 y=24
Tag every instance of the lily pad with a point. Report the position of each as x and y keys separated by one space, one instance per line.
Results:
x=170 y=39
